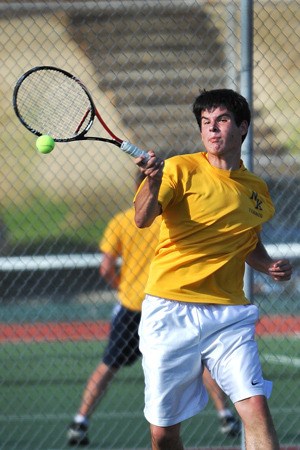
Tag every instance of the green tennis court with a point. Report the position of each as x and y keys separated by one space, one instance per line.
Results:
x=41 y=384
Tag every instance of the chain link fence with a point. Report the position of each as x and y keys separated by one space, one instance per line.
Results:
x=143 y=62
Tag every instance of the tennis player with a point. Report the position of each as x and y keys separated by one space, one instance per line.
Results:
x=195 y=313
x=136 y=248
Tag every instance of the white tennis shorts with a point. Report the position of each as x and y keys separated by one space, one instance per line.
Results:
x=178 y=338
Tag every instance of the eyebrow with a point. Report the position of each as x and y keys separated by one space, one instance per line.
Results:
x=218 y=117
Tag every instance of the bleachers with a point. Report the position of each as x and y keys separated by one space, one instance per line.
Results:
x=154 y=76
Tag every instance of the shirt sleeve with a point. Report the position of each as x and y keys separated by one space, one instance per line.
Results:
x=111 y=242
x=169 y=181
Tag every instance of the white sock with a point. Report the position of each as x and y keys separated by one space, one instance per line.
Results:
x=79 y=418
x=225 y=413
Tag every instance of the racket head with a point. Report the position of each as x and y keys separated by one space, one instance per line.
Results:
x=49 y=100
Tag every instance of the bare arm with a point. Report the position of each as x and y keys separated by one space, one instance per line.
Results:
x=108 y=271
x=146 y=203
x=259 y=259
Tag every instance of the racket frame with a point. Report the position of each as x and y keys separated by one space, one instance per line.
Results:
x=93 y=110
x=125 y=146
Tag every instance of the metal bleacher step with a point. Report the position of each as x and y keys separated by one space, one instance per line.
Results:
x=177 y=91
x=153 y=63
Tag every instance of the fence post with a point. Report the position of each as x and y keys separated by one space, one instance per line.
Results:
x=247 y=92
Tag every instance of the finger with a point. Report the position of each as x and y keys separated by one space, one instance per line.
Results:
x=280 y=265
x=282 y=276
x=280 y=272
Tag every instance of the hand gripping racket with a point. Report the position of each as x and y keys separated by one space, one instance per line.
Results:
x=48 y=100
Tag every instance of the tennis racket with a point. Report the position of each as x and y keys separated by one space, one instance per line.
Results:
x=51 y=101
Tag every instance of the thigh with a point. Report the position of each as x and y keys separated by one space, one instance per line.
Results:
x=170 y=345
x=233 y=357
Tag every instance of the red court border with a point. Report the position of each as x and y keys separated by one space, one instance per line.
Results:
x=98 y=330
x=288 y=447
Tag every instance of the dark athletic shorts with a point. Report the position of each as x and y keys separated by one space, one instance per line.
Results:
x=123 y=344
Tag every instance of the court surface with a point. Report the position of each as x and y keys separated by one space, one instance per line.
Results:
x=44 y=367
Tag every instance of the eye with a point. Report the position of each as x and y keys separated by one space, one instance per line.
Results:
x=223 y=119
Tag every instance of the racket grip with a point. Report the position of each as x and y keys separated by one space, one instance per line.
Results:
x=134 y=151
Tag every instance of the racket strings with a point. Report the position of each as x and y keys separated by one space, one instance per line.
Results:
x=50 y=102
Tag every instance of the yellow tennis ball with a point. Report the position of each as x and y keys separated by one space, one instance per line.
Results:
x=45 y=143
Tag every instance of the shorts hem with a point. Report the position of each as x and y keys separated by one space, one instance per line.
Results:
x=265 y=391
x=173 y=421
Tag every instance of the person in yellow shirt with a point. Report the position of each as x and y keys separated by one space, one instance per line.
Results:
x=122 y=239
x=195 y=313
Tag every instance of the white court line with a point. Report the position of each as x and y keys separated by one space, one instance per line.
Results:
x=282 y=360
x=65 y=417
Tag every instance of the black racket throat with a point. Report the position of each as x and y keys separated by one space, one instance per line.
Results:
x=91 y=138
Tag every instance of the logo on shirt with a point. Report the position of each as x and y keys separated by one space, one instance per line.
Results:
x=257 y=204
x=257 y=200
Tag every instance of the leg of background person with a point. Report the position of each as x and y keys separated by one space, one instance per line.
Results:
x=96 y=388
x=229 y=424
x=258 y=424
x=166 y=438
x=215 y=392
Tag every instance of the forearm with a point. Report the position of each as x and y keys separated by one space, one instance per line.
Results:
x=107 y=270
x=146 y=203
x=259 y=259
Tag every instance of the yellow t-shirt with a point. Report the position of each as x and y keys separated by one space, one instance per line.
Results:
x=211 y=218
x=136 y=247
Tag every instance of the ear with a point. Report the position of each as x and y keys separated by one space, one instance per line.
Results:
x=244 y=127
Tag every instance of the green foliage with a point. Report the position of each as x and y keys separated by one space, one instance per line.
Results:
x=45 y=223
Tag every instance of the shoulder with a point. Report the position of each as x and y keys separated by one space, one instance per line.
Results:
x=254 y=180
x=184 y=163
x=121 y=217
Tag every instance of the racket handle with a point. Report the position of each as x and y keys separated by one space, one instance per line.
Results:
x=134 y=151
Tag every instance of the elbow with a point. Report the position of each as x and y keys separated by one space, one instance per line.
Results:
x=103 y=273
x=140 y=223
x=144 y=219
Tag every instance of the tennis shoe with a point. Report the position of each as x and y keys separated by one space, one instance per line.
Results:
x=77 y=434
x=230 y=426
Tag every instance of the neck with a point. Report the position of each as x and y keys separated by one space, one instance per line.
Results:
x=224 y=163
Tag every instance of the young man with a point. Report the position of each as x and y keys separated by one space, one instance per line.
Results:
x=195 y=313
x=136 y=248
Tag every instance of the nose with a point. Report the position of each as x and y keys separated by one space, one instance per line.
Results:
x=213 y=126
